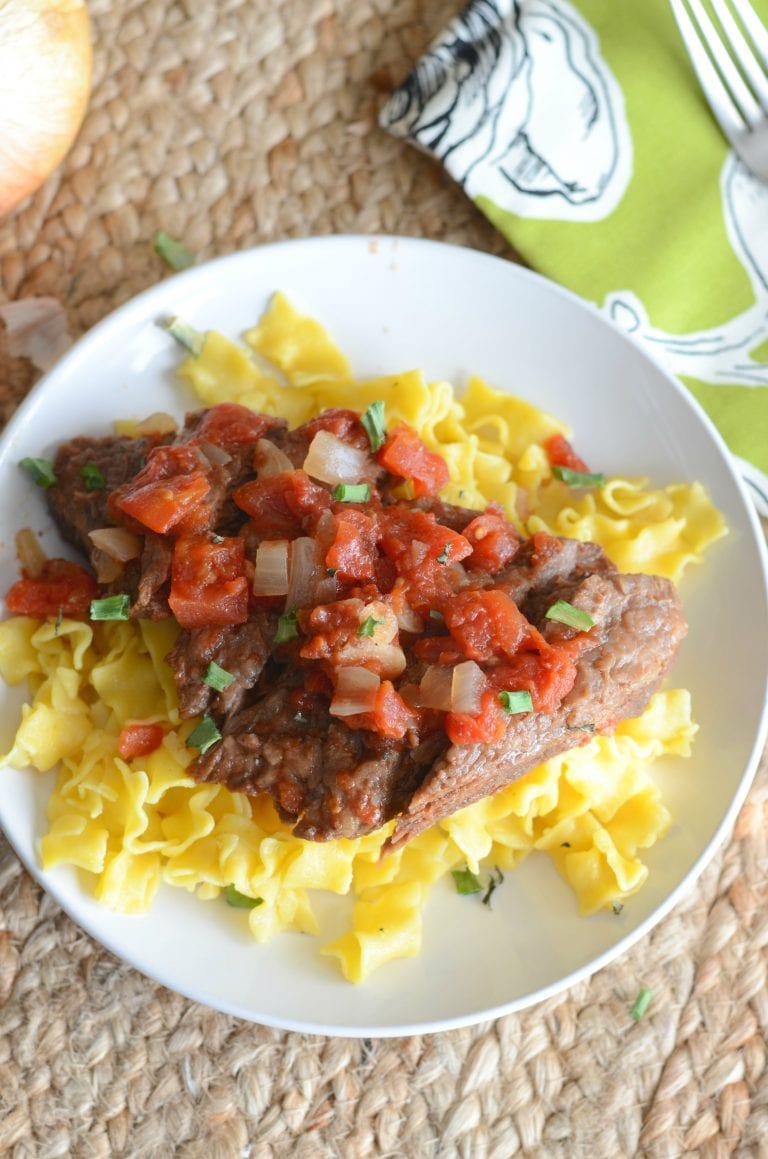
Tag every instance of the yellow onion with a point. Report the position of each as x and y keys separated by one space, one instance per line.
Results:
x=45 y=83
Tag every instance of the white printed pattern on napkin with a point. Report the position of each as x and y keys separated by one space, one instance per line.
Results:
x=516 y=101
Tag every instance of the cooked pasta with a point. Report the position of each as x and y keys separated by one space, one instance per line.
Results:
x=135 y=824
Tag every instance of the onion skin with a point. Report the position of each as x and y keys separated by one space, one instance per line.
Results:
x=45 y=84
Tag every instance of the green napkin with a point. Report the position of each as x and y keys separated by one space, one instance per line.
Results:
x=580 y=130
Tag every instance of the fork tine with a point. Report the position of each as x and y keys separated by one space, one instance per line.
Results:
x=715 y=91
x=744 y=53
x=732 y=78
x=755 y=27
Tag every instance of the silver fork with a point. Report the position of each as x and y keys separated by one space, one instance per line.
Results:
x=730 y=59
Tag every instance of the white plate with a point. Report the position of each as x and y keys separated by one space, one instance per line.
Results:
x=394 y=304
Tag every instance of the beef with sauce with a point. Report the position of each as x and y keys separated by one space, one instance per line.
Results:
x=281 y=730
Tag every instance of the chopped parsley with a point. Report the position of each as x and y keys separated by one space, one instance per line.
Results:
x=444 y=555
x=92 y=477
x=111 y=608
x=351 y=493
x=373 y=421
x=204 y=735
x=287 y=627
x=216 y=677
x=579 y=478
x=641 y=1003
x=435 y=615
x=173 y=253
x=466 y=881
x=186 y=335
x=41 y=470
x=565 y=613
x=494 y=881
x=369 y=626
x=240 y=900
x=514 y=702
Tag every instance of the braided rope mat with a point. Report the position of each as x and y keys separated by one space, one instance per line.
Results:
x=229 y=124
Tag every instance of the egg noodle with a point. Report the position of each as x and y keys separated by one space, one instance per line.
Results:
x=135 y=824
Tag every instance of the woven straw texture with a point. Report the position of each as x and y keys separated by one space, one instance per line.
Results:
x=230 y=124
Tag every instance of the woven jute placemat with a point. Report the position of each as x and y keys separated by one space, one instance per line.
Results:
x=231 y=124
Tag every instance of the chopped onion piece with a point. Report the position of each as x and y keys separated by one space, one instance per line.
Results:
x=269 y=460
x=467 y=686
x=305 y=573
x=435 y=688
x=158 y=423
x=30 y=553
x=216 y=456
x=356 y=690
x=107 y=569
x=36 y=329
x=331 y=460
x=271 y=575
x=116 y=542
x=407 y=620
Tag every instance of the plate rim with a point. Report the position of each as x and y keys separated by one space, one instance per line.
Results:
x=138 y=304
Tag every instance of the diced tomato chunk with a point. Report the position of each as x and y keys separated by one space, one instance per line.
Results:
x=139 y=740
x=561 y=454
x=168 y=492
x=353 y=554
x=405 y=455
x=231 y=425
x=486 y=624
x=494 y=540
x=390 y=716
x=208 y=583
x=282 y=505
x=485 y=727
x=548 y=674
x=343 y=423
x=424 y=552
x=62 y=588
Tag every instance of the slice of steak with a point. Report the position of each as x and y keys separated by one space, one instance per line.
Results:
x=77 y=510
x=329 y=780
x=241 y=650
x=639 y=624
x=546 y=568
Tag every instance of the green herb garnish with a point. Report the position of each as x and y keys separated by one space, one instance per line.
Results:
x=369 y=626
x=617 y=907
x=641 y=1003
x=92 y=477
x=444 y=554
x=241 y=900
x=494 y=882
x=580 y=727
x=579 y=478
x=173 y=253
x=287 y=628
x=186 y=335
x=514 y=702
x=216 y=677
x=204 y=735
x=41 y=470
x=435 y=615
x=466 y=881
x=111 y=608
x=565 y=613
x=351 y=493
x=373 y=421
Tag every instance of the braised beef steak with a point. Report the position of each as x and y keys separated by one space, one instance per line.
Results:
x=343 y=776
x=638 y=627
x=334 y=781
